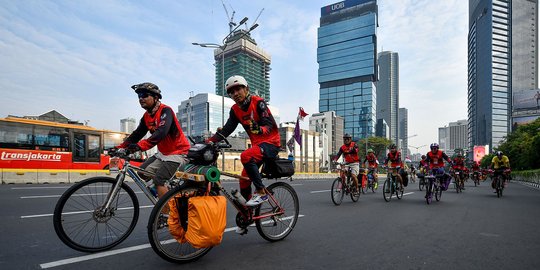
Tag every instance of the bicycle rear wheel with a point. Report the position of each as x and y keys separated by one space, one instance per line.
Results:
x=356 y=195
x=276 y=227
x=438 y=192
x=161 y=240
x=388 y=190
x=81 y=222
x=338 y=191
x=421 y=183
x=399 y=191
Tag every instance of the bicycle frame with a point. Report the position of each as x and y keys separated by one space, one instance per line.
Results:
x=346 y=176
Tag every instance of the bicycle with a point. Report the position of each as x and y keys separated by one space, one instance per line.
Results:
x=274 y=219
x=476 y=178
x=99 y=213
x=421 y=178
x=391 y=186
x=499 y=180
x=371 y=182
x=344 y=185
x=459 y=181
x=434 y=186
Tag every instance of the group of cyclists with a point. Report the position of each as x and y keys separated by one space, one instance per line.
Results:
x=432 y=163
x=253 y=114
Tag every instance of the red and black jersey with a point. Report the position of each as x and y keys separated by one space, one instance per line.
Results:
x=394 y=159
x=256 y=112
x=436 y=160
x=350 y=152
x=166 y=133
x=371 y=160
x=459 y=164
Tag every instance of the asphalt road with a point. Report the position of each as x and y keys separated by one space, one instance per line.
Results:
x=471 y=230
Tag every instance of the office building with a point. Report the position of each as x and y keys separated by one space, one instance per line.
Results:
x=346 y=53
x=403 y=134
x=382 y=129
x=128 y=125
x=243 y=57
x=330 y=128
x=444 y=140
x=200 y=115
x=458 y=134
x=502 y=46
x=388 y=91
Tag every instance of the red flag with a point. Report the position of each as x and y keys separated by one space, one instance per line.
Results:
x=302 y=114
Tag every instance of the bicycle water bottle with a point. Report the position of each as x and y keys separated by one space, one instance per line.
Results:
x=238 y=196
x=152 y=188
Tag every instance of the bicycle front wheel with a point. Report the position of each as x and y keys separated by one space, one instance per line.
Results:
x=82 y=223
x=280 y=214
x=161 y=240
x=338 y=191
x=438 y=193
x=387 y=190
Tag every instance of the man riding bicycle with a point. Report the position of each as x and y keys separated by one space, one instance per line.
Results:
x=373 y=165
x=459 y=165
x=160 y=120
x=435 y=158
x=254 y=115
x=349 y=149
x=501 y=166
x=394 y=157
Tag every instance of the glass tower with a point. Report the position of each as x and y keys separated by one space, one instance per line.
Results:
x=243 y=57
x=346 y=53
x=502 y=43
x=388 y=92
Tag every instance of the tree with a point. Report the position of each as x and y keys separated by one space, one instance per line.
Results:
x=378 y=144
x=522 y=146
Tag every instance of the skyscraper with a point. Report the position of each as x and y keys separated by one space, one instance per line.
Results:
x=128 y=125
x=502 y=48
x=403 y=132
x=347 y=57
x=388 y=91
x=243 y=57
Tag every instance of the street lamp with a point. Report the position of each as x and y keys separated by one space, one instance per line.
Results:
x=417 y=147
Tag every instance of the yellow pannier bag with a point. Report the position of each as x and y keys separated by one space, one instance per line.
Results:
x=207 y=218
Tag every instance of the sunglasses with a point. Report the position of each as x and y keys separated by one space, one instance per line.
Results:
x=143 y=94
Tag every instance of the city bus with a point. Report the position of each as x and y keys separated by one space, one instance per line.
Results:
x=37 y=144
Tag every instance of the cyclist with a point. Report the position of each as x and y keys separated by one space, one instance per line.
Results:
x=435 y=158
x=253 y=114
x=476 y=173
x=373 y=165
x=459 y=165
x=501 y=166
x=165 y=132
x=394 y=157
x=412 y=171
x=349 y=149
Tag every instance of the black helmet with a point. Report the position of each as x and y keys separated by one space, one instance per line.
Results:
x=434 y=145
x=499 y=153
x=147 y=87
x=423 y=156
x=392 y=146
x=347 y=135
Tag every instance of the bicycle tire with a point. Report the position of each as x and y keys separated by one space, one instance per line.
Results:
x=355 y=195
x=399 y=192
x=338 y=191
x=276 y=228
x=76 y=220
x=429 y=196
x=421 y=183
x=161 y=240
x=387 y=190
x=438 y=193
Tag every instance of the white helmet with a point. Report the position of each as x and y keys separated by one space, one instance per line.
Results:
x=234 y=81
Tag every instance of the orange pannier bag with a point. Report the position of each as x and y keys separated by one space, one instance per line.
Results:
x=207 y=218
x=175 y=226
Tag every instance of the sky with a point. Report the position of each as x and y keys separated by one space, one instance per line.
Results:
x=81 y=57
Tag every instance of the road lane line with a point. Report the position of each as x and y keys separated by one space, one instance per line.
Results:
x=79 y=212
x=75 y=195
x=115 y=252
x=319 y=191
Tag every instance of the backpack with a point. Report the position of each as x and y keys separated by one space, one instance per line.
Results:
x=277 y=168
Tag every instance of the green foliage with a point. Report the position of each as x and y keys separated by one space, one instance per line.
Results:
x=486 y=161
x=378 y=144
x=523 y=146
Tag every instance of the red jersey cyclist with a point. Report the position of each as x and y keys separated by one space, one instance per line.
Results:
x=349 y=149
x=373 y=164
x=394 y=157
x=459 y=165
x=435 y=158
x=253 y=114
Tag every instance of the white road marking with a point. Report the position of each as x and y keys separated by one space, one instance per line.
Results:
x=79 y=212
x=320 y=191
x=114 y=252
